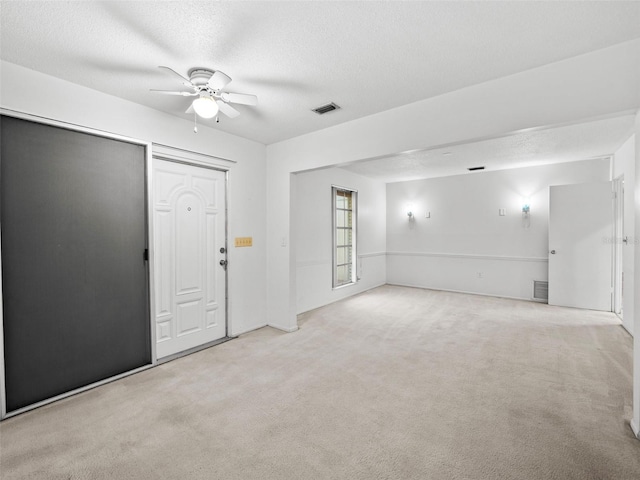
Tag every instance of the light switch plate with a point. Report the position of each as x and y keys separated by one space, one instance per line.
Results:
x=244 y=241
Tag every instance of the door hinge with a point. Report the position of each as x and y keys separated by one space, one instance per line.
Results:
x=145 y=255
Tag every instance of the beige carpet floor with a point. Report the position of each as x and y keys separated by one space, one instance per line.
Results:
x=395 y=383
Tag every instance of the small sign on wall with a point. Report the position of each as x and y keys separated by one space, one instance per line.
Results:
x=244 y=241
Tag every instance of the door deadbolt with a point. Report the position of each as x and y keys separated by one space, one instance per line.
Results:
x=552 y=252
x=222 y=250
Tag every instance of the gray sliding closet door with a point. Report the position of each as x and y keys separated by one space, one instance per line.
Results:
x=74 y=280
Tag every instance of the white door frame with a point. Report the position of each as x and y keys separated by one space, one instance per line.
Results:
x=193 y=159
x=196 y=159
x=77 y=128
x=618 y=250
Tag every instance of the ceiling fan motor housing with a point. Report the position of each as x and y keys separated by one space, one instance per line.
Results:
x=200 y=76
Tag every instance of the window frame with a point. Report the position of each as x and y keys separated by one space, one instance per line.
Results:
x=334 y=233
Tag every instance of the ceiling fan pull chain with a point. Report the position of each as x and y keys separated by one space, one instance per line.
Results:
x=195 y=122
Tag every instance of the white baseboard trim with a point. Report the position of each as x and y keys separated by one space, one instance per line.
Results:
x=242 y=332
x=634 y=428
x=624 y=326
x=467 y=293
x=343 y=298
x=283 y=329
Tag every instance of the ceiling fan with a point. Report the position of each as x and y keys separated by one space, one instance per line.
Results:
x=207 y=85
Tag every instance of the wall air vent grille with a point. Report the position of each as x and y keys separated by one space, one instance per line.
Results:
x=329 y=107
x=540 y=290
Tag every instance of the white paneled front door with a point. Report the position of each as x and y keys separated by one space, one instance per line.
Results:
x=189 y=233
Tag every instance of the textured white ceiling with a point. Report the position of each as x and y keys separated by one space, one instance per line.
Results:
x=523 y=149
x=365 y=56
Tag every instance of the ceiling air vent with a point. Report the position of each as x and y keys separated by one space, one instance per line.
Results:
x=473 y=169
x=329 y=107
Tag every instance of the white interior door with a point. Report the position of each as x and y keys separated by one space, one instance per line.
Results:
x=189 y=233
x=580 y=255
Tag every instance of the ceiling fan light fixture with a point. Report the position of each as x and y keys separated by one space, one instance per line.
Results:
x=205 y=107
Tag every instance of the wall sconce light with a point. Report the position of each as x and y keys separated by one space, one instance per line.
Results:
x=526 y=208
x=410 y=210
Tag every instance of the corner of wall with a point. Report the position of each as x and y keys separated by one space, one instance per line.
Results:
x=636 y=339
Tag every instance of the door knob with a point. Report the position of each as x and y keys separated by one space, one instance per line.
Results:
x=552 y=252
x=223 y=263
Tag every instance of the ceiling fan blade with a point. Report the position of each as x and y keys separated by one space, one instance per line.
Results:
x=228 y=110
x=171 y=92
x=241 y=98
x=218 y=80
x=190 y=109
x=185 y=81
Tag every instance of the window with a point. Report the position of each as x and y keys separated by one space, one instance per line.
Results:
x=344 y=236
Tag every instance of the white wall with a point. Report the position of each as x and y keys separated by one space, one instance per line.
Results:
x=466 y=245
x=579 y=88
x=32 y=92
x=313 y=229
x=624 y=164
